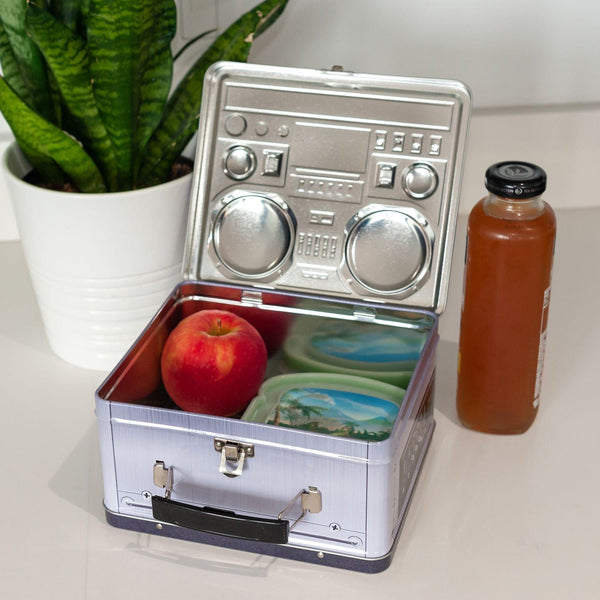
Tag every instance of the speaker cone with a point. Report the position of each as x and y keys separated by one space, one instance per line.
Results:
x=253 y=235
x=387 y=251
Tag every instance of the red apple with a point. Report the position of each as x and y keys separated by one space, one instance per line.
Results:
x=213 y=363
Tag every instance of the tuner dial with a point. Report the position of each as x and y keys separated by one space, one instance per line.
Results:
x=419 y=181
x=239 y=162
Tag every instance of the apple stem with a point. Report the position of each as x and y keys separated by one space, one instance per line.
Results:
x=218 y=326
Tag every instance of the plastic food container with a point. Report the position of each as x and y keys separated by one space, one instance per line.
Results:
x=375 y=351
x=340 y=405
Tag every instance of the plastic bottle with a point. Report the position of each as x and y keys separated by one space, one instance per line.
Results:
x=508 y=264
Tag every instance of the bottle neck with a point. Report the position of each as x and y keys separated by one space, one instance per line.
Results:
x=513 y=209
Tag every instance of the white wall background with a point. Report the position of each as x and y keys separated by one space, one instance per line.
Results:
x=533 y=67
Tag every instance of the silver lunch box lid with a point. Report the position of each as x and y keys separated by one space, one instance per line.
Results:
x=330 y=182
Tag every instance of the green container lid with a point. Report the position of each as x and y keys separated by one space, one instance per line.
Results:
x=381 y=352
x=340 y=405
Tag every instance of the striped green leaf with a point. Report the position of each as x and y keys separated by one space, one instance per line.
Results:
x=131 y=65
x=67 y=12
x=183 y=109
x=49 y=145
x=10 y=66
x=68 y=59
x=44 y=166
x=28 y=72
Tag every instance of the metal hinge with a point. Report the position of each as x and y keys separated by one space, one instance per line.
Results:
x=364 y=313
x=163 y=477
x=234 y=453
x=251 y=297
x=312 y=502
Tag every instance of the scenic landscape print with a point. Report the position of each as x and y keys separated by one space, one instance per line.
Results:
x=335 y=412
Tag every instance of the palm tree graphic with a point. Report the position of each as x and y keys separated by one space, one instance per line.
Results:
x=297 y=404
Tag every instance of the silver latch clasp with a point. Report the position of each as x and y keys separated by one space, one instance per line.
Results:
x=163 y=477
x=234 y=453
x=312 y=502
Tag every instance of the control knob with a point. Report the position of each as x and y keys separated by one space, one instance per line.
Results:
x=239 y=162
x=419 y=181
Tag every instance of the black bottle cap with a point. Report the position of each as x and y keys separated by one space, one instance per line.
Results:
x=515 y=179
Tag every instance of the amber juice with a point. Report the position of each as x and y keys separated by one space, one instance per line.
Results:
x=508 y=266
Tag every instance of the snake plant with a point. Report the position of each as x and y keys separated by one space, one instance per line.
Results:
x=86 y=86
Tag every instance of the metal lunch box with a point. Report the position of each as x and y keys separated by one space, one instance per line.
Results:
x=318 y=197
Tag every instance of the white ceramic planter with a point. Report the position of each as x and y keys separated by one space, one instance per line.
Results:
x=101 y=264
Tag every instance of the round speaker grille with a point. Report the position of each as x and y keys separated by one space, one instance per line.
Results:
x=387 y=250
x=252 y=235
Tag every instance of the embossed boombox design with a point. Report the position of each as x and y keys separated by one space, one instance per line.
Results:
x=328 y=181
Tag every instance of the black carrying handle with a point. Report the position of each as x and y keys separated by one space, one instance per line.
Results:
x=220 y=522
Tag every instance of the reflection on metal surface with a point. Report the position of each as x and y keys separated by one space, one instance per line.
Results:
x=419 y=181
x=239 y=162
x=252 y=235
x=387 y=251
x=320 y=148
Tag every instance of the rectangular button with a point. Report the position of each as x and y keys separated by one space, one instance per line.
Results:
x=272 y=163
x=380 y=140
x=435 y=145
x=313 y=274
x=398 y=142
x=385 y=175
x=321 y=217
x=416 y=143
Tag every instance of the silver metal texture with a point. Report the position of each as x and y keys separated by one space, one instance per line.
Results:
x=388 y=249
x=381 y=475
x=239 y=162
x=329 y=146
x=252 y=235
x=162 y=478
x=419 y=181
x=311 y=502
x=234 y=453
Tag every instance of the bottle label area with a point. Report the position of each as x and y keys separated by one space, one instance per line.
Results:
x=542 y=350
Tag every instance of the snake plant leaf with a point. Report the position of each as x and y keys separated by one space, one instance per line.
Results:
x=10 y=67
x=181 y=116
x=132 y=68
x=49 y=142
x=30 y=74
x=67 y=12
x=42 y=164
x=68 y=60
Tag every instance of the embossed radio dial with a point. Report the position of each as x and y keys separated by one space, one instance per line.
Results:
x=239 y=162
x=419 y=181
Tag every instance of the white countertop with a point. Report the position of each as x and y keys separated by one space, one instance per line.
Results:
x=492 y=517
